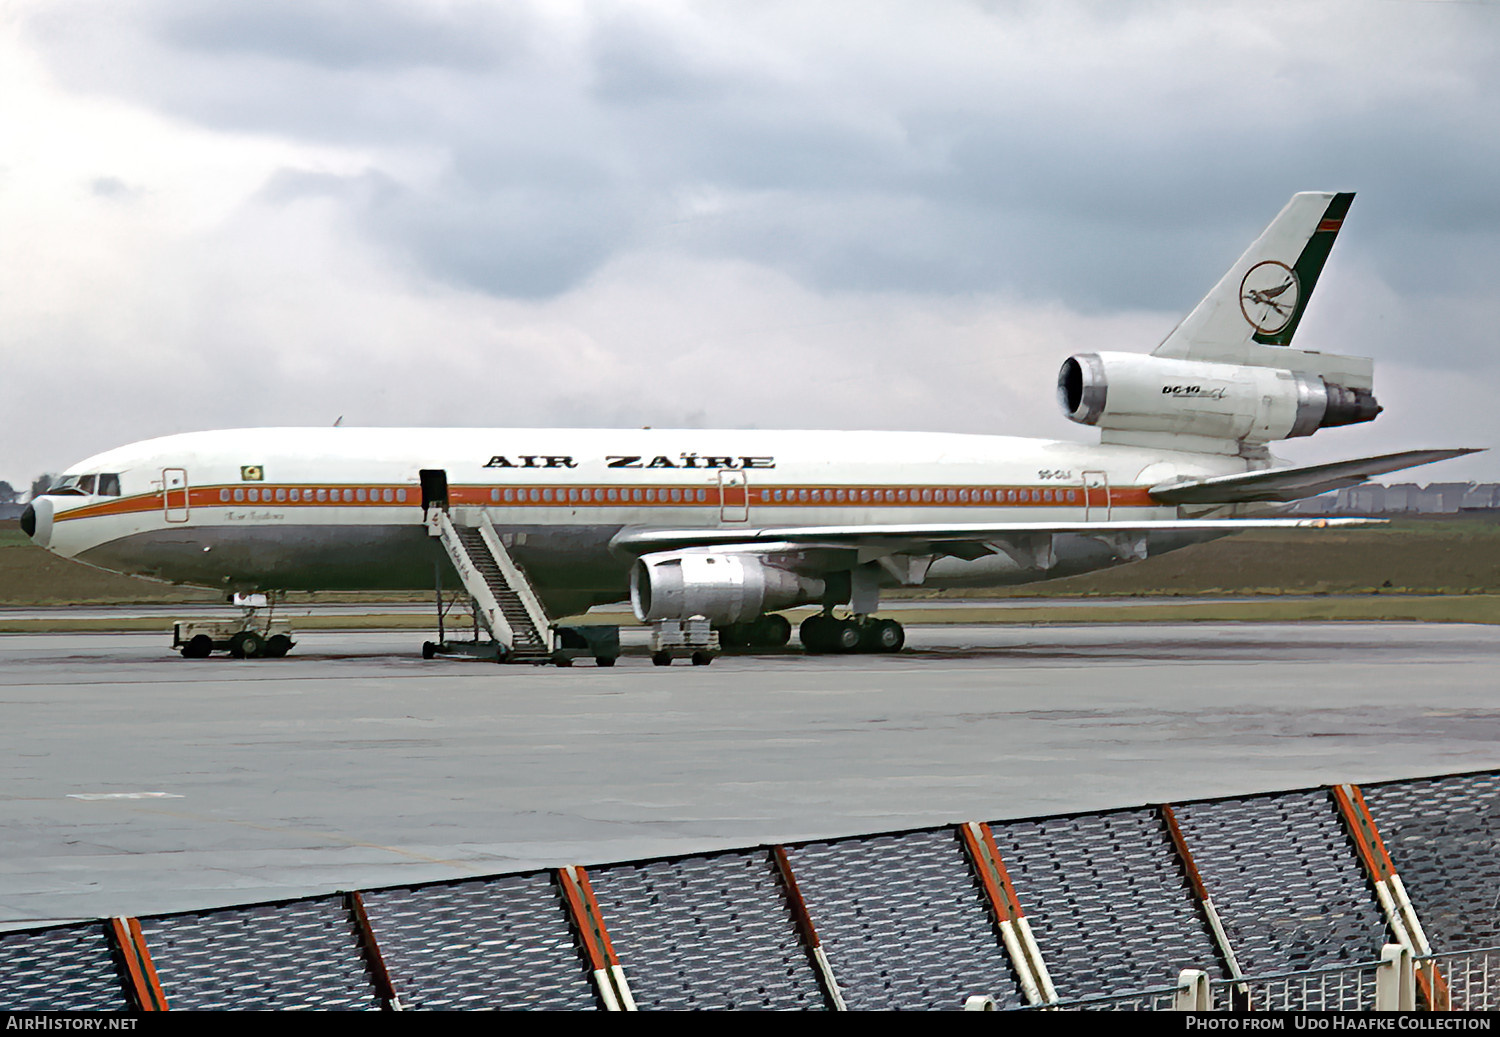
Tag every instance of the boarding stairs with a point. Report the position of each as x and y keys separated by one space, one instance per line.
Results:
x=505 y=603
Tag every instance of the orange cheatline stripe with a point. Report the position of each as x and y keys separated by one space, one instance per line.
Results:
x=571 y=496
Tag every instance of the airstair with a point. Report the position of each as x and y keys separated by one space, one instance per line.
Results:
x=505 y=604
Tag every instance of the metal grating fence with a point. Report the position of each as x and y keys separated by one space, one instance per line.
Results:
x=66 y=968
x=304 y=954
x=501 y=943
x=1095 y=911
x=1444 y=836
x=1286 y=881
x=707 y=932
x=903 y=921
x=1110 y=889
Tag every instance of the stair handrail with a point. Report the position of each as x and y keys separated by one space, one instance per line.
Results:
x=518 y=582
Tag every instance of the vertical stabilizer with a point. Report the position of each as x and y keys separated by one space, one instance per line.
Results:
x=1260 y=301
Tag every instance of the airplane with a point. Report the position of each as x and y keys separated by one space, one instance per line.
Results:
x=730 y=528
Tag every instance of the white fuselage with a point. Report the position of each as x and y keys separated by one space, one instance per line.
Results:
x=341 y=508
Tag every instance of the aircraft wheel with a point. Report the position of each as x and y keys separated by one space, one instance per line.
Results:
x=884 y=635
x=661 y=659
x=199 y=647
x=563 y=661
x=736 y=635
x=605 y=660
x=277 y=646
x=772 y=631
x=843 y=636
x=429 y=650
x=702 y=658
x=247 y=644
x=811 y=633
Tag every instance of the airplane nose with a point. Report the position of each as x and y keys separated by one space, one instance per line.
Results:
x=28 y=521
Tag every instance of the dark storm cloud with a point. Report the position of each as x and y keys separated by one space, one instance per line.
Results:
x=1123 y=164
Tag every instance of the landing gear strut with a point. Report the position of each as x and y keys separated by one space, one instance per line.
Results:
x=826 y=633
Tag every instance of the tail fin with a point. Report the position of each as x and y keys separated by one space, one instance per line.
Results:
x=1260 y=301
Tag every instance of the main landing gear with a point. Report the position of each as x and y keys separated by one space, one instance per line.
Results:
x=771 y=631
x=826 y=633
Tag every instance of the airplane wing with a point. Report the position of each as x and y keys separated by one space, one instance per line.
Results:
x=939 y=538
x=1293 y=482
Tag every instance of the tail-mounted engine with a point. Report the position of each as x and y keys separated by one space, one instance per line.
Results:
x=722 y=587
x=1129 y=392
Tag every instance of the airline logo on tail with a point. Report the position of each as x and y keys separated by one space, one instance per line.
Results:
x=1273 y=295
x=1269 y=295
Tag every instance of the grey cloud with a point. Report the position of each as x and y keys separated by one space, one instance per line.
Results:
x=378 y=35
x=1126 y=176
x=113 y=188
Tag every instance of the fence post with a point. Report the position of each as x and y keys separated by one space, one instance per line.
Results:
x=1395 y=982
x=1194 y=994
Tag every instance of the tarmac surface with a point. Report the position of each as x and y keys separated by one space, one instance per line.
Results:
x=136 y=782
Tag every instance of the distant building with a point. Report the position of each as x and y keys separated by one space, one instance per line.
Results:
x=1404 y=499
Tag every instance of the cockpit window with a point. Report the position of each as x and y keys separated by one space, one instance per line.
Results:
x=67 y=486
x=86 y=484
x=109 y=485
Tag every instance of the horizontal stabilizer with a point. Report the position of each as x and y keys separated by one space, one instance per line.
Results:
x=1295 y=482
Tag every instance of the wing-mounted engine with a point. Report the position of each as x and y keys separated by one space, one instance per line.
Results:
x=1235 y=403
x=722 y=586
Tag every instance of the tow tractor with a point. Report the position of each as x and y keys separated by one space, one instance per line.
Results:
x=251 y=636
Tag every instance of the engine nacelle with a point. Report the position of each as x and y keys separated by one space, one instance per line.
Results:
x=722 y=587
x=1131 y=392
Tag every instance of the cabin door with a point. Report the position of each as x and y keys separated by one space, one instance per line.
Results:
x=434 y=488
x=1095 y=497
x=734 y=496
x=174 y=494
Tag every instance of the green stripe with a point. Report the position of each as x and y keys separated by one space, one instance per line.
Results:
x=1308 y=266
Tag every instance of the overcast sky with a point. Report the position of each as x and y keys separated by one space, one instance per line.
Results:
x=806 y=214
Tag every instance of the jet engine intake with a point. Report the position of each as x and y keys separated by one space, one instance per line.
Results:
x=1130 y=392
x=722 y=587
